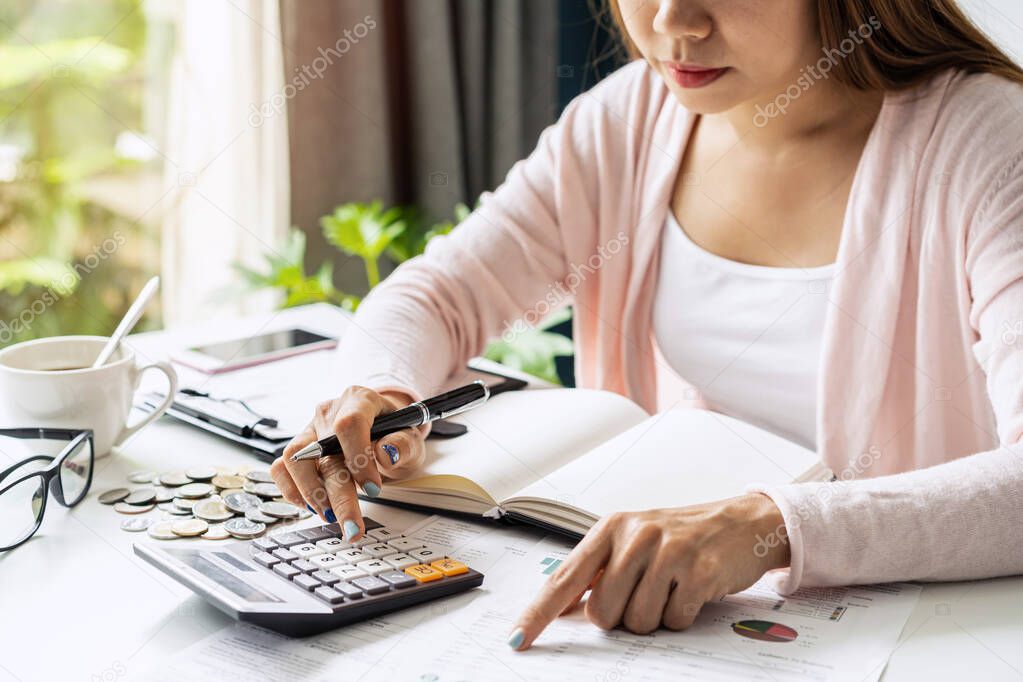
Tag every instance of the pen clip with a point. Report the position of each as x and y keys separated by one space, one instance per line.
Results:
x=468 y=406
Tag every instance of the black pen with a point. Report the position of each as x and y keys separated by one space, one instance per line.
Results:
x=438 y=407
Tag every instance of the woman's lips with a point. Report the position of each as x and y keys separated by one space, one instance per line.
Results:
x=694 y=76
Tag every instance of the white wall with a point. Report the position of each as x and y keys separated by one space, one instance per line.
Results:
x=1003 y=21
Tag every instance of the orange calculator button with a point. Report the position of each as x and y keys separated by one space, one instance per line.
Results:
x=424 y=574
x=450 y=567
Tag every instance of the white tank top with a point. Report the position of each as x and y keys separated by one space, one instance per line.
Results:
x=747 y=337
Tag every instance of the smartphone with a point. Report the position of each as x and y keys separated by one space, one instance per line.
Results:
x=224 y=356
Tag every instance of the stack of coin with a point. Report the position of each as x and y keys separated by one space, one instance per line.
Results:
x=213 y=503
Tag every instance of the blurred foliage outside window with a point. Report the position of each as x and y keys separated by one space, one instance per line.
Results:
x=82 y=96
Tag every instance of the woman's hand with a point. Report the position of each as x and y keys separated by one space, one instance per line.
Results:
x=327 y=485
x=658 y=568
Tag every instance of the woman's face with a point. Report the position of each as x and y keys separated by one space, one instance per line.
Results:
x=718 y=54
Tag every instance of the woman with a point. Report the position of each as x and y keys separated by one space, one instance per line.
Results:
x=823 y=206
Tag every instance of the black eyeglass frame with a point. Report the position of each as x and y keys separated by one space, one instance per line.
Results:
x=51 y=474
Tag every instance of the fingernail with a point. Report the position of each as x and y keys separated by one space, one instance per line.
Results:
x=351 y=529
x=329 y=514
x=516 y=639
x=392 y=452
x=371 y=488
x=310 y=509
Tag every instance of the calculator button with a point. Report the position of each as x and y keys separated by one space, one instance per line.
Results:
x=332 y=545
x=424 y=574
x=349 y=590
x=265 y=543
x=325 y=577
x=347 y=572
x=362 y=542
x=397 y=579
x=264 y=559
x=373 y=566
x=353 y=556
x=314 y=535
x=304 y=566
x=379 y=550
x=427 y=554
x=284 y=554
x=286 y=570
x=371 y=584
x=306 y=582
x=383 y=534
x=405 y=544
x=450 y=567
x=306 y=550
x=400 y=561
x=331 y=596
x=326 y=561
x=288 y=539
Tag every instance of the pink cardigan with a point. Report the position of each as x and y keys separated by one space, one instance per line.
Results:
x=921 y=381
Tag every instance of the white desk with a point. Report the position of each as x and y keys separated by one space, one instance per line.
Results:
x=75 y=603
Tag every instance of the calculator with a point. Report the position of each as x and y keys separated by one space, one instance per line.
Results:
x=306 y=581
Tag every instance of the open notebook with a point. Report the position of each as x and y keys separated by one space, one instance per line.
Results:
x=562 y=458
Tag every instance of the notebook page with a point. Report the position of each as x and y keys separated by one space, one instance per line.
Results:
x=679 y=457
x=520 y=437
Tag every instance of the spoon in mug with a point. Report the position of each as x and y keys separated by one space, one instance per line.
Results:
x=128 y=322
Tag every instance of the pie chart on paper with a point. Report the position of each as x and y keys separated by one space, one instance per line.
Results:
x=764 y=631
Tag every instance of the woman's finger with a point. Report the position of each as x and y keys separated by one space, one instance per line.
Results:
x=648 y=601
x=571 y=578
x=352 y=424
x=606 y=605
x=344 y=502
x=305 y=474
x=683 y=606
x=399 y=453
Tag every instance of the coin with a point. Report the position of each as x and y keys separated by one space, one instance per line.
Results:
x=195 y=490
x=281 y=510
x=141 y=476
x=172 y=508
x=241 y=502
x=262 y=489
x=141 y=496
x=125 y=508
x=257 y=516
x=182 y=503
x=115 y=495
x=224 y=492
x=212 y=510
x=228 y=481
x=136 y=524
x=188 y=528
x=172 y=479
x=163 y=494
x=216 y=532
x=201 y=473
x=259 y=476
x=244 y=529
x=161 y=530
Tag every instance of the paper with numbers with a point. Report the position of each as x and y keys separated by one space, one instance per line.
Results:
x=842 y=634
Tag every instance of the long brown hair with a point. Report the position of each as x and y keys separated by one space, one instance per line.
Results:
x=916 y=39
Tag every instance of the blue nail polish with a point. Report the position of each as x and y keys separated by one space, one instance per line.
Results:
x=392 y=452
x=516 y=639
x=351 y=529
x=328 y=514
x=310 y=509
x=371 y=488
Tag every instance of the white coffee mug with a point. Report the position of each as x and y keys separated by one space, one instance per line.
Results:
x=49 y=382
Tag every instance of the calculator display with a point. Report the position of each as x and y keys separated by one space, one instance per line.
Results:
x=229 y=582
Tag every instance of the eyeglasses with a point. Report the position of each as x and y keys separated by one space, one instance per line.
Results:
x=24 y=487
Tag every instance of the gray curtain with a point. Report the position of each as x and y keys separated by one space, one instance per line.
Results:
x=431 y=102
